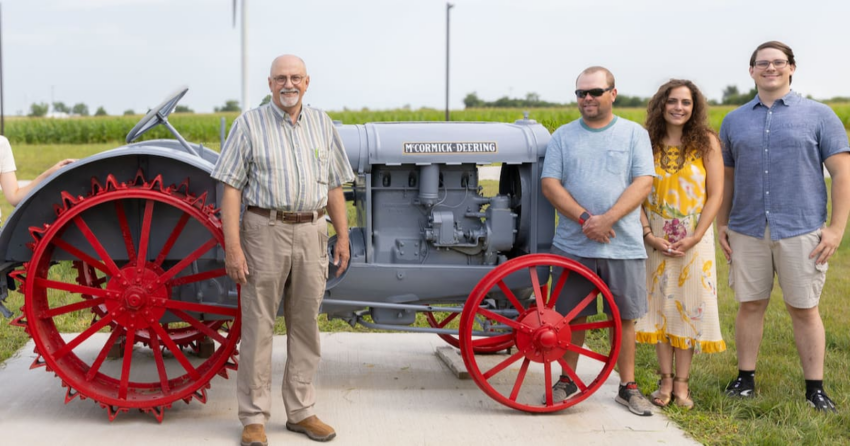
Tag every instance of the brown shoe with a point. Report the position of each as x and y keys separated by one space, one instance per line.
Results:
x=254 y=435
x=313 y=428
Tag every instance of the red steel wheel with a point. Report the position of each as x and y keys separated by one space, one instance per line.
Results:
x=438 y=319
x=541 y=335
x=136 y=296
x=185 y=335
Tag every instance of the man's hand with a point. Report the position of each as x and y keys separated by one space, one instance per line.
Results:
x=341 y=256
x=339 y=219
x=830 y=239
x=724 y=241
x=599 y=229
x=235 y=264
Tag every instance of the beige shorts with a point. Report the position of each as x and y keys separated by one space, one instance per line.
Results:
x=755 y=261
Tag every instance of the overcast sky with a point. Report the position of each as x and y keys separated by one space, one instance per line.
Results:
x=128 y=54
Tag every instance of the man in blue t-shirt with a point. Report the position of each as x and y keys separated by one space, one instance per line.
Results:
x=774 y=210
x=598 y=170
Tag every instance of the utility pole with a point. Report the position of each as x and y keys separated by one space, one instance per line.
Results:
x=449 y=6
x=246 y=103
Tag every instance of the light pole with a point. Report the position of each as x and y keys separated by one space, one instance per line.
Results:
x=246 y=103
x=449 y=6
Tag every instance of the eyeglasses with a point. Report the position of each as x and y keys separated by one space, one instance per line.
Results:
x=295 y=79
x=778 y=63
x=595 y=92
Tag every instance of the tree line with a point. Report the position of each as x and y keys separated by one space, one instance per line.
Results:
x=42 y=109
x=731 y=96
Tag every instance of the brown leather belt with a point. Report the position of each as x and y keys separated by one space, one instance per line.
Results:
x=289 y=217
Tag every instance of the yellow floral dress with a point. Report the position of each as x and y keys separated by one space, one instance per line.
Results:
x=682 y=290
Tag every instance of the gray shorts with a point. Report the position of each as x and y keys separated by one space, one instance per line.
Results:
x=626 y=278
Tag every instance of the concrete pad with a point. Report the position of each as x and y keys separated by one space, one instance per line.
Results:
x=374 y=388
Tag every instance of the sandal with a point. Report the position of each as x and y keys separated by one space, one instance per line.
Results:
x=684 y=402
x=658 y=397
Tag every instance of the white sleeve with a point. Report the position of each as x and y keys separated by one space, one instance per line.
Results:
x=7 y=161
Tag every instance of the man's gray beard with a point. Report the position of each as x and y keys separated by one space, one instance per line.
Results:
x=286 y=102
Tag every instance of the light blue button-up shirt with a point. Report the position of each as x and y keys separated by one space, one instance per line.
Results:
x=778 y=154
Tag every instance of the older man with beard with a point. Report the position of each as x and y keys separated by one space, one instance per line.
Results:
x=285 y=162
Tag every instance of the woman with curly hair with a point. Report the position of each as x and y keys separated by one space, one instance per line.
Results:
x=677 y=218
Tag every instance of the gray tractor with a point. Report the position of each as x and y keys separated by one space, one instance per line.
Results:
x=132 y=236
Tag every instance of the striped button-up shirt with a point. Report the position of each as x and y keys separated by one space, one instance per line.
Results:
x=280 y=165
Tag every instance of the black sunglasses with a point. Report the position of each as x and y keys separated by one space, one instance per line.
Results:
x=595 y=92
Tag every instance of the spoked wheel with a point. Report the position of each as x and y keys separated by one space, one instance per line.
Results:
x=438 y=319
x=541 y=335
x=181 y=333
x=154 y=252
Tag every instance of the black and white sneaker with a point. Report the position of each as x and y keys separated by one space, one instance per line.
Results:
x=820 y=402
x=629 y=395
x=741 y=388
x=561 y=391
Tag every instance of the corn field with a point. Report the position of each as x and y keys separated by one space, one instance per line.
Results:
x=205 y=128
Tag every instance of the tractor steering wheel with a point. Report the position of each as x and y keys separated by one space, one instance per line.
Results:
x=157 y=115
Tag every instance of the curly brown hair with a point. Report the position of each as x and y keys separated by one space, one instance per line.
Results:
x=696 y=134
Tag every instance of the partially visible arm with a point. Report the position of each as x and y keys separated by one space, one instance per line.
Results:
x=657 y=243
x=561 y=199
x=725 y=209
x=838 y=166
x=234 y=258
x=602 y=225
x=339 y=220
x=14 y=194
x=554 y=191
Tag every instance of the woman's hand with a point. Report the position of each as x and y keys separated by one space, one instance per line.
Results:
x=663 y=246
x=685 y=244
x=59 y=165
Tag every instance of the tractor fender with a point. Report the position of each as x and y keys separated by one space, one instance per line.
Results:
x=160 y=157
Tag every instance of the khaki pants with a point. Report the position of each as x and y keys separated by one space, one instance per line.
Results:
x=755 y=261
x=288 y=261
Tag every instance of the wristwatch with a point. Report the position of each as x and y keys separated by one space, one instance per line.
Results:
x=585 y=216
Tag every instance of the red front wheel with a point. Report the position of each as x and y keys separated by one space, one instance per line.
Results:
x=541 y=335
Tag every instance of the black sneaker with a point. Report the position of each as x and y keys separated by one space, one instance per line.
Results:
x=561 y=391
x=821 y=402
x=741 y=388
